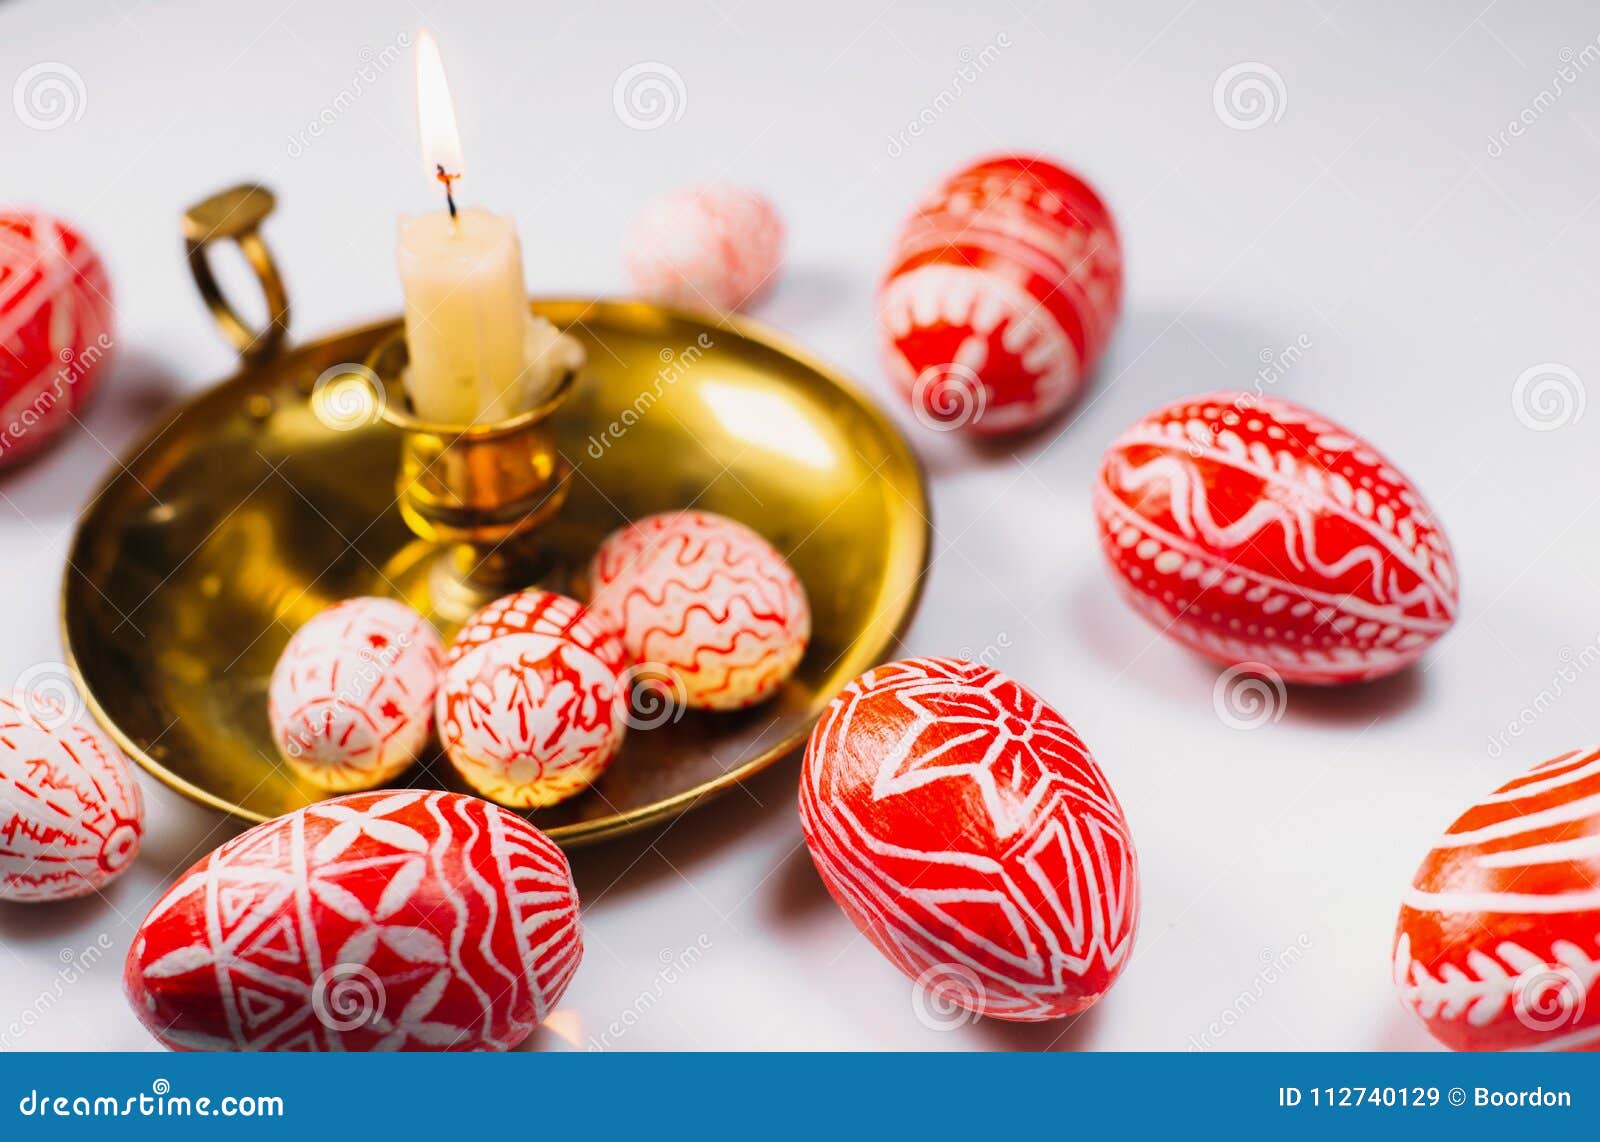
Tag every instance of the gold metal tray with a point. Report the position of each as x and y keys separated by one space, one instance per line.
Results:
x=245 y=514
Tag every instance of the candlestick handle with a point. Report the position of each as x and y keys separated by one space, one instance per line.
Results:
x=236 y=215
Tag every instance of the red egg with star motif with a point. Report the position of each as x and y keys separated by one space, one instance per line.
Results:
x=393 y=920
x=706 y=607
x=1001 y=295
x=1256 y=531
x=534 y=699
x=351 y=698
x=57 y=328
x=71 y=815
x=1498 y=942
x=966 y=830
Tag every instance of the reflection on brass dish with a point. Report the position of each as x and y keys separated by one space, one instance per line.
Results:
x=245 y=514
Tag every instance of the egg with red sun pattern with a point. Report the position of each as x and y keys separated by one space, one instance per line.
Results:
x=1002 y=292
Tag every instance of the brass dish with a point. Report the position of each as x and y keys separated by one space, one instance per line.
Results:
x=245 y=514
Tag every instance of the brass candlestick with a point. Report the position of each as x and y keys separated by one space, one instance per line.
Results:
x=479 y=491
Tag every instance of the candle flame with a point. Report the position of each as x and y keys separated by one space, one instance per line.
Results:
x=436 y=114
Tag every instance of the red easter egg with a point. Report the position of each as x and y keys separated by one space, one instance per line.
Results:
x=713 y=246
x=404 y=920
x=71 y=815
x=1256 y=531
x=534 y=700
x=351 y=698
x=965 y=829
x=1498 y=942
x=705 y=606
x=1001 y=295
x=57 y=328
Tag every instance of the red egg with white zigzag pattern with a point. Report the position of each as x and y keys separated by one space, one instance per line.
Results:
x=966 y=830
x=397 y=920
x=1001 y=295
x=1256 y=531
x=57 y=328
x=1498 y=941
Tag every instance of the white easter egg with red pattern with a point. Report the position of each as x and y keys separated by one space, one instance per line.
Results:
x=57 y=328
x=965 y=829
x=1498 y=942
x=1001 y=295
x=351 y=697
x=714 y=246
x=1253 y=530
x=71 y=815
x=534 y=701
x=704 y=605
x=398 y=920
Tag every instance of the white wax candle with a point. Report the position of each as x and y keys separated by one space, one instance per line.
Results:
x=466 y=316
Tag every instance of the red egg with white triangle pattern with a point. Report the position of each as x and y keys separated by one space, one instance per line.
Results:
x=1498 y=941
x=71 y=815
x=966 y=830
x=1001 y=295
x=1256 y=531
x=57 y=329
x=395 y=920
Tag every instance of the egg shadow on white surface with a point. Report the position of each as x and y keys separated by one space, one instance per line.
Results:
x=809 y=293
x=795 y=894
x=71 y=924
x=634 y=862
x=55 y=483
x=1355 y=703
x=1074 y=1033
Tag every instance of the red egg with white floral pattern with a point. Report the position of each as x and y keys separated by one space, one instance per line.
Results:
x=351 y=697
x=706 y=607
x=71 y=815
x=57 y=329
x=398 y=920
x=1256 y=531
x=534 y=700
x=1498 y=942
x=966 y=830
x=1001 y=295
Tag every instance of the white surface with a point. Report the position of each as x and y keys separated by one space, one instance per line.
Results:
x=1370 y=218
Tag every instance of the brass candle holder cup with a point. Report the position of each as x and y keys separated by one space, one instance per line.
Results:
x=479 y=491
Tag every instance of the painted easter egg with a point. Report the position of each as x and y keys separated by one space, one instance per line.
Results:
x=351 y=698
x=391 y=920
x=713 y=246
x=1256 y=531
x=1001 y=295
x=57 y=329
x=705 y=606
x=70 y=811
x=534 y=701
x=968 y=833
x=1498 y=942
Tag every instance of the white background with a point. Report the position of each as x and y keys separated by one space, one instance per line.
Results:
x=1369 y=218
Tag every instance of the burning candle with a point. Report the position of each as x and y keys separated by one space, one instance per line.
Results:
x=466 y=309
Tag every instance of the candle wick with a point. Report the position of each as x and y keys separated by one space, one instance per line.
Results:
x=448 y=179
